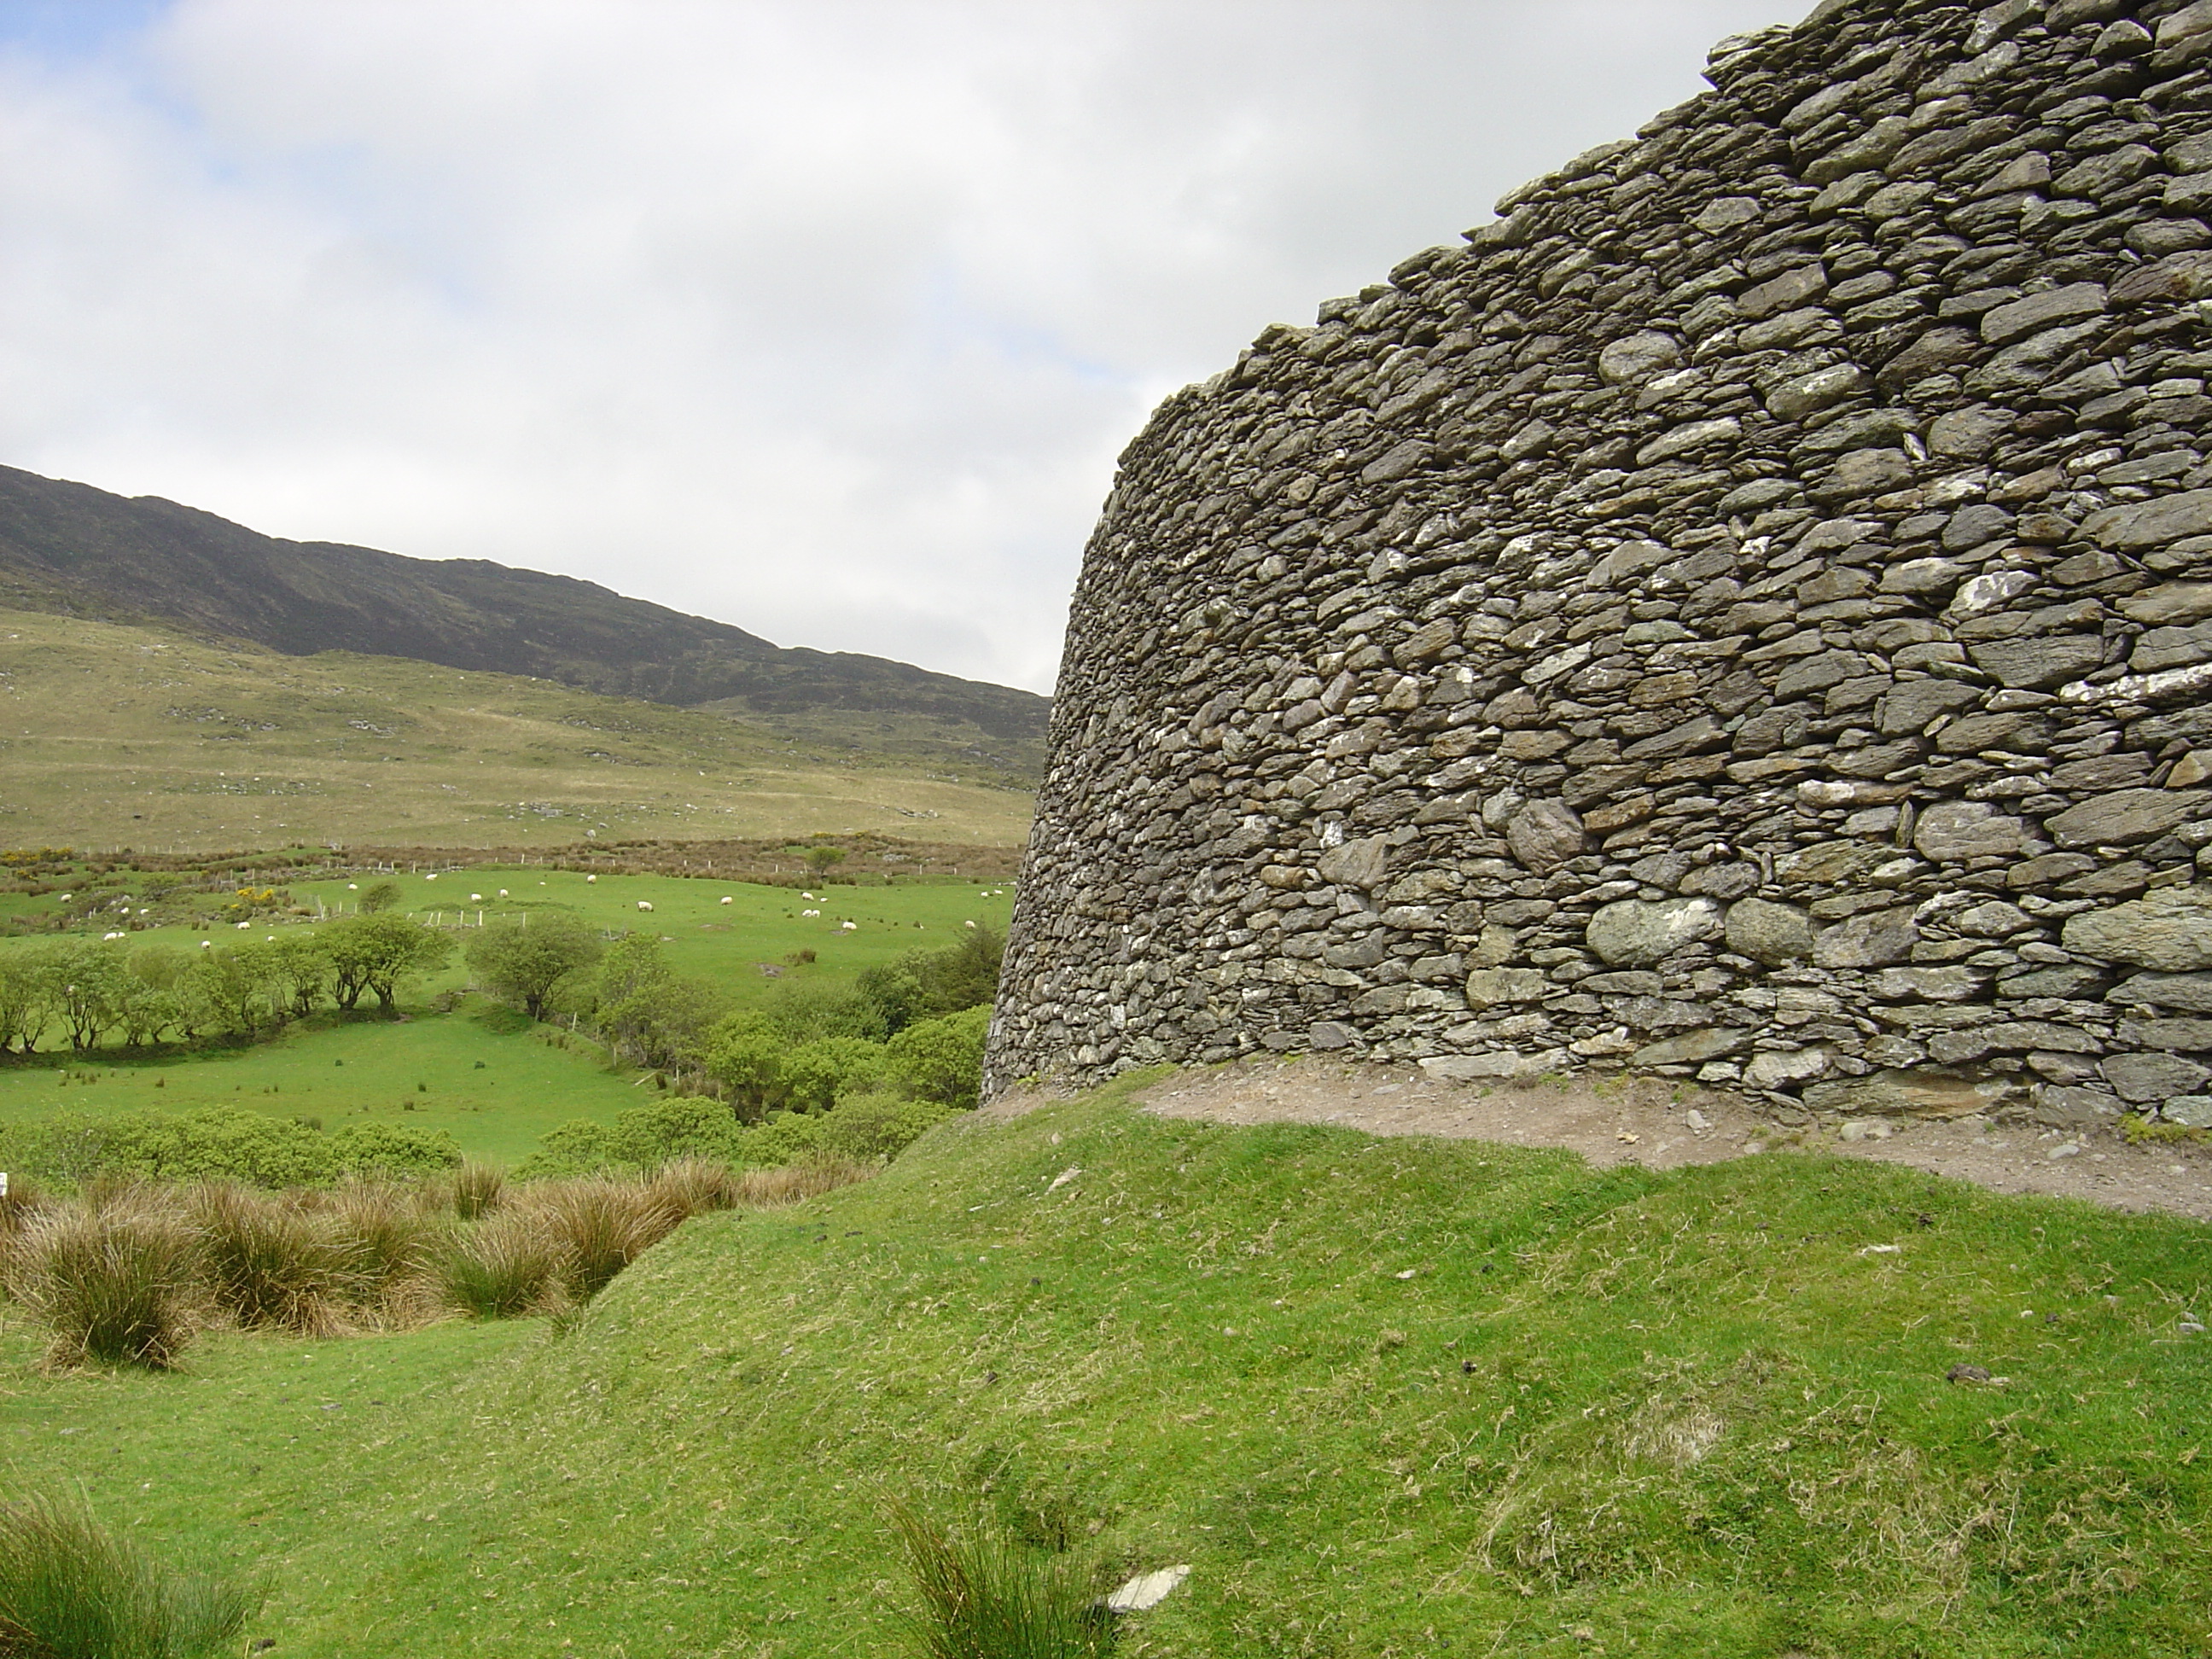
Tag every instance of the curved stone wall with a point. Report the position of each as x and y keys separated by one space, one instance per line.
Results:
x=1747 y=613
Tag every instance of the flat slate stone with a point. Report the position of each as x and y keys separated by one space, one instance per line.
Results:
x=2126 y=816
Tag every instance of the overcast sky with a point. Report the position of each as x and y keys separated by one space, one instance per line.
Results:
x=823 y=318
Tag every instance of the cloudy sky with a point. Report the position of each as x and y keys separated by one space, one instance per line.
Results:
x=825 y=318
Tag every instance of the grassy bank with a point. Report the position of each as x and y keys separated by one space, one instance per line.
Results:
x=1385 y=1397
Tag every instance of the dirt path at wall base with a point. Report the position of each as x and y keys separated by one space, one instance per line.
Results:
x=1649 y=1122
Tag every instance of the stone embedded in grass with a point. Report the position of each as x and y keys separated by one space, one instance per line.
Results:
x=1147 y=1590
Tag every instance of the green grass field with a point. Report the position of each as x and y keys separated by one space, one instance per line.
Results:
x=149 y=738
x=333 y=1069
x=1386 y=1398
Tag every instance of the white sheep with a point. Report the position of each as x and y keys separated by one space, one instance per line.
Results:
x=114 y=936
x=589 y=879
x=804 y=895
x=850 y=927
x=475 y=898
x=644 y=904
x=810 y=913
x=726 y=899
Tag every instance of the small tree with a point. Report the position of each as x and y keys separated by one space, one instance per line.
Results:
x=236 y=987
x=524 y=964
x=745 y=1053
x=382 y=897
x=27 y=997
x=823 y=859
x=373 y=953
x=304 y=970
x=91 y=987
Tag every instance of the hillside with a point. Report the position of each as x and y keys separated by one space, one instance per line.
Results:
x=1384 y=1396
x=69 y=548
x=143 y=736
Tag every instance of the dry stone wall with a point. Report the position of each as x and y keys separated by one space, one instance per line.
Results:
x=1747 y=613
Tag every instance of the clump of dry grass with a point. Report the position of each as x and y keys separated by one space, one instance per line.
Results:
x=795 y=1183
x=390 y=1237
x=478 y=1189
x=19 y=1206
x=501 y=1268
x=695 y=1186
x=117 y=1283
x=272 y=1264
x=598 y=1225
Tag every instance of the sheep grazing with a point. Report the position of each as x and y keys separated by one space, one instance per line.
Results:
x=644 y=904
x=588 y=879
x=726 y=898
x=810 y=913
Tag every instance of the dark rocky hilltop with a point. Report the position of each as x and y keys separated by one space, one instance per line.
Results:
x=1745 y=614
x=70 y=547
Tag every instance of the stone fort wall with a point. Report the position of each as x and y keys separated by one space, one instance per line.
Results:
x=1747 y=613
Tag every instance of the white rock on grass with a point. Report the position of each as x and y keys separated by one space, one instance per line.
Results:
x=1146 y=1589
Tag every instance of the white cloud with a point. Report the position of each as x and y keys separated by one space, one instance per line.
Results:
x=821 y=317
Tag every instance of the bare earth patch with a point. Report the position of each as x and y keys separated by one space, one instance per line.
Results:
x=1642 y=1120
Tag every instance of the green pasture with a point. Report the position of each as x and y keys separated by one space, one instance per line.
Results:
x=1383 y=1397
x=479 y=1072
x=760 y=926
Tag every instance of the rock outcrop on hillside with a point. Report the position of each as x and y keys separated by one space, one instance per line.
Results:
x=1747 y=613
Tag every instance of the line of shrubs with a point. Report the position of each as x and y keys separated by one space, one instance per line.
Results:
x=219 y=1143
x=89 y=991
x=130 y=1271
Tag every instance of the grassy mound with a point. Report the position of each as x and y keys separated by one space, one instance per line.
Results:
x=1400 y=1397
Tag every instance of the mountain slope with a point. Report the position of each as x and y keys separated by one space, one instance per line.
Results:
x=71 y=547
x=112 y=733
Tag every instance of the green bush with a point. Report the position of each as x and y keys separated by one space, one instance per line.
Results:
x=577 y=1148
x=815 y=1075
x=929 y=984
x=392 y=1151
x=71 y=1589
x=524 y=963
x=942 y=1060
x=867 y=1128
x=217 y=1144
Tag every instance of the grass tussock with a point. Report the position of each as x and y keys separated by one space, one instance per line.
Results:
x=115 y=1283
x=478 y=1189
x=795 y=1183
x=599 y=1226
x=71 y=1589
x=502 y=1268
x=695 y=1186
x=388 y=1233
x=275 y=1265
x=985 y=1596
